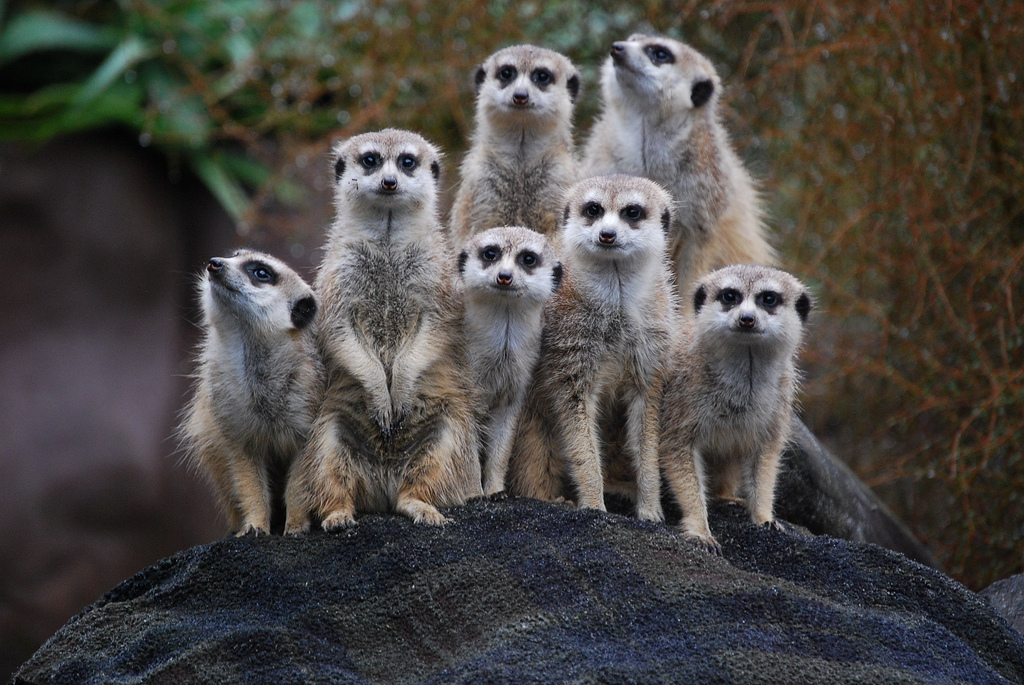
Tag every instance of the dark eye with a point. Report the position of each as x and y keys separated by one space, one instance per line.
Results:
x=490 y=254
x=507 y=73
x=593 y=210
x=658 y=54
x=369 y=160
x=729 y=297
x=261 y=273
x=407 y=162
x=769 y=300
x=634 y=213
x=542 y=77
x=528 y=259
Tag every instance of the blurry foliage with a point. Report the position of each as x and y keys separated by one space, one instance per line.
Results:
x=888 y=138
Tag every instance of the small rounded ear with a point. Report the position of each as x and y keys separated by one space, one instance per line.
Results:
x=565 y=215
x=556 y=275
x=339 y=169
x=803 y=306
x=573 y=85
x=479 y=78
x=666 y=220
x=463 y=256
x=303 y=311
x=701 y=92
x=699 y=298
x=435 y=169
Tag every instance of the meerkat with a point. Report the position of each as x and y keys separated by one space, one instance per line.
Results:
x=256 y=382
x=728 y=404
x=660 y=120
x=522 y=158
x=508 y=275
x=396 y=430
x=605 y=347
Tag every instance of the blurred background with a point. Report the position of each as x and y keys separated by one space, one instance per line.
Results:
x=139 y=138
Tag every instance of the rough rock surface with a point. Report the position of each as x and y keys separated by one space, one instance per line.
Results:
x=1007 y=596
x=523 y=591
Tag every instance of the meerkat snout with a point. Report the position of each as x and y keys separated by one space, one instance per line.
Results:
x=214 y=266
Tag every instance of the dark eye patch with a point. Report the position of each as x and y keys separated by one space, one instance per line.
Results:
x=730 y=297
x=491 y=253
x=593 y=211
x=633 y=213
x=542 y=77
x=659 y=54
x=408 y=163
x=506 y=74
x=768 y=299
x=369 y=160
x=528 y=259
x=261 y=274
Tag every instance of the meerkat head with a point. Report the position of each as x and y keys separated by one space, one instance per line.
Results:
x=509 y=263
x=748 y=305
x=655 y=68
x=386 y=171
x=526 y=85
x=256 y=291
x=616 y=218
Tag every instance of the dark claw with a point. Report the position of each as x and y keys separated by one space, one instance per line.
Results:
x=500 y=496
x=773 y=525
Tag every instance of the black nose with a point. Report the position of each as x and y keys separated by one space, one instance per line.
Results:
x=746 y=320
x=389 y=183
x=214 y=265
x=520 y=98
x=607 y=236
x=505 y=278
x=618 y=50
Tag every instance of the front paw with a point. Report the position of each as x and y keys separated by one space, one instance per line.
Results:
x=252 y=529
x=653 y=514
x=770 y=524
x=431 y=517
x=338 y=520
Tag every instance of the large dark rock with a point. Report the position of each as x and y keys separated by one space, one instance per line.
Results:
x=1007 y=596
x=821 y=493
x=523 y=591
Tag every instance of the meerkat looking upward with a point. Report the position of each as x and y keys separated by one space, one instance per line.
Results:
x=604 y=349
x=396 y=431
x=508 y=274
x=521 y=160
x=729 y=402
x=254 y=397
x=660 y=120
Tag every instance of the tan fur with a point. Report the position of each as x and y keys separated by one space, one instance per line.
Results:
x=255 y=393
x=728 y=405
x=397 y=430
x=656 y=123
x=521 y=161
x=604 y=350
x=508 y=274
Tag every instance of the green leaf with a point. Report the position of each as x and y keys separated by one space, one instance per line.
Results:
x=45 y=30
x=128 y=53
x=225 y=188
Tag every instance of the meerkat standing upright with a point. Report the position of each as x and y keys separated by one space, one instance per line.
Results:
x=508 y=274
x=256 y=384
x=728 y=406
x=660 y=120
x=605 y=346
x=521 y=161
x=396 y=430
